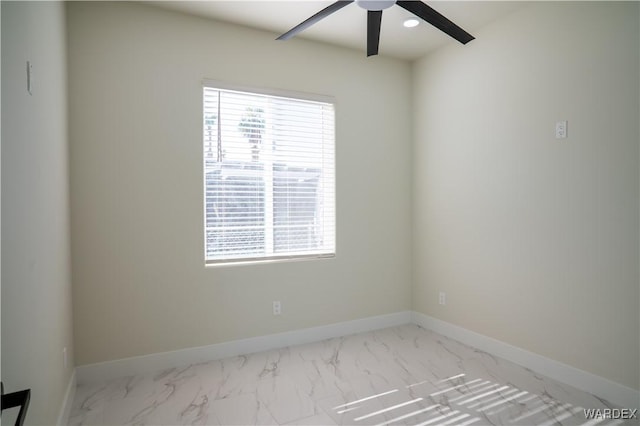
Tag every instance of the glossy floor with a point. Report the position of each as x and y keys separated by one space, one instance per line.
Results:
x=402 y=375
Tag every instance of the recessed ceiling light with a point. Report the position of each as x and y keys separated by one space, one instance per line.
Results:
x=410 y=23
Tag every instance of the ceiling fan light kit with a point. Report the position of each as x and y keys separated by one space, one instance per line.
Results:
x=375 y=4
x=374 y=10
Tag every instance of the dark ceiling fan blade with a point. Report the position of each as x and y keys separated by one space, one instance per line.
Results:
x=374 y=19
x=315 y=18
x=433 y=17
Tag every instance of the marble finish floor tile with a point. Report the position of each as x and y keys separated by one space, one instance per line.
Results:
x=402 y=375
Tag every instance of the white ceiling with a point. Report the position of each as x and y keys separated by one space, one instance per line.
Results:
x=347 y=26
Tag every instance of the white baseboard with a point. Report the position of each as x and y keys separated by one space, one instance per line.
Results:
x=614 y=392
x=69 y=395
x=147 y=363
x=611 y=391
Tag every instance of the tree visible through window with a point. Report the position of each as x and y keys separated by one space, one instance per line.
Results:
x=269 y=188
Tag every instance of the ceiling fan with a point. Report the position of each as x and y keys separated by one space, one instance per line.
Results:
x=374 y=10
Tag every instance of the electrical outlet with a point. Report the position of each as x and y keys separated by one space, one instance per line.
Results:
x=277 y=307
x=561 y=130
x=443 y=298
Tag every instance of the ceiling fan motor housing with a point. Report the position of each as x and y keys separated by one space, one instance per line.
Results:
x=375 y=4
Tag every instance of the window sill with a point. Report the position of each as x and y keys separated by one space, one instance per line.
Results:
x=260 y=261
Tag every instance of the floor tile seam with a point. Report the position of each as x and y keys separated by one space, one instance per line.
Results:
x=266 y=405
x=317 y=409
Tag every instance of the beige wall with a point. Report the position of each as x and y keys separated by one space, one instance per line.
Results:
x=140 y=285
x=36 y=276
x=533 y=239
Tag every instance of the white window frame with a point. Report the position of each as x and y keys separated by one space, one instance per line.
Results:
x=322 y=254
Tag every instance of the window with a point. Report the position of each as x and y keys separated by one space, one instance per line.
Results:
x=269 y=176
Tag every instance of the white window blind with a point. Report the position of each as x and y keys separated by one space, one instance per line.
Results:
x=269 y=186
